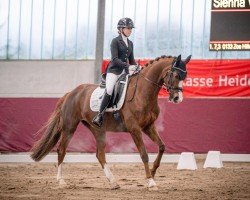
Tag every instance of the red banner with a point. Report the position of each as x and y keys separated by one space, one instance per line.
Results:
x=214 y=78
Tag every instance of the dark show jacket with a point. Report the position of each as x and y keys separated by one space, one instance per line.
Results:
x=121 y=55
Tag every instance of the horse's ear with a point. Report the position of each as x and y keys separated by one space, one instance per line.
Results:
x=178 y=58
x=188 y=59
x=177 y=61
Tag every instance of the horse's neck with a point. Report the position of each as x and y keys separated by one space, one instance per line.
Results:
x=153 y=73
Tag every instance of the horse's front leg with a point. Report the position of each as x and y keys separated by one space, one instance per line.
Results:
x=155 y=137
x=100 y=154
x=137 y=137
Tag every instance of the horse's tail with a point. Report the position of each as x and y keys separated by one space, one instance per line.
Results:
x=52 y=132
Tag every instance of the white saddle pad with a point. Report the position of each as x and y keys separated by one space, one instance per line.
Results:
x=96 y=98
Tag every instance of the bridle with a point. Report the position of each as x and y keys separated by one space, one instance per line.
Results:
x=170 y=82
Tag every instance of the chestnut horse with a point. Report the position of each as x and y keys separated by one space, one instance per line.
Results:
x=138 y=114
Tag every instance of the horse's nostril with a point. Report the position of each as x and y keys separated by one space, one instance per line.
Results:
x=176 y=98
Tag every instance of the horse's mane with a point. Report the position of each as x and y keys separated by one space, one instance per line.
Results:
x=156 y=59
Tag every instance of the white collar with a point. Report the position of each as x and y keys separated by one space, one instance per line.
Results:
x=125 y=39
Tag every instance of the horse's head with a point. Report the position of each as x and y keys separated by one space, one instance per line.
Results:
x=173 y=79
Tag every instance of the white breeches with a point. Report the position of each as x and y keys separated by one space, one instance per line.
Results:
x=111 y=80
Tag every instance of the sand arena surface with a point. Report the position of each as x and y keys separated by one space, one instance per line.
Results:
x=87 y=181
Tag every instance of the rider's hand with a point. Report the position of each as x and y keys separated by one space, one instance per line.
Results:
x=133 y=67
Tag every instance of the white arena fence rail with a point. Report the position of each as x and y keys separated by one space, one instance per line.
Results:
x=112 y=158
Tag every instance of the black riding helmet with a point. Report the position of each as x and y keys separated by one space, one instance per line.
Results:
x=125 y=23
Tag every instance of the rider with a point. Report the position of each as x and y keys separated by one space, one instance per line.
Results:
x=122 y=57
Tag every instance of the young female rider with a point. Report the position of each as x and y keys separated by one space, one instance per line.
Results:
x=122 y=57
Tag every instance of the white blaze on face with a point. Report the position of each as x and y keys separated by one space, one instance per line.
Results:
x=180 y=92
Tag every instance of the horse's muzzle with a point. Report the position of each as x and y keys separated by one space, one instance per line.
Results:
x=177 y=97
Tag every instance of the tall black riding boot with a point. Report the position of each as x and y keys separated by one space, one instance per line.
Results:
x=98 y=119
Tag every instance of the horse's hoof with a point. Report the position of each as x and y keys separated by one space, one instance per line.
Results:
x=62 y=183
x=151 y=183
x=115 y=186
x=154 y=188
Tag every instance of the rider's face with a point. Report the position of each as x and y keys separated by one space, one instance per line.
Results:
x=127 y=31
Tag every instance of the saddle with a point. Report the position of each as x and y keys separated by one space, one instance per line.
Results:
x=117 y=98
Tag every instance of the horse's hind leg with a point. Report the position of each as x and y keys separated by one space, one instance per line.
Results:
x=100 y=137
x=61 y=151
x=155 y=137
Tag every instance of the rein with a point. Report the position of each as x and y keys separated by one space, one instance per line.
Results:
x=147 y=79
x=168 y=87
